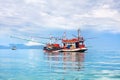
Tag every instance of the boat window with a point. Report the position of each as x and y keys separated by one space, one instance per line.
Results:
x=77 y=44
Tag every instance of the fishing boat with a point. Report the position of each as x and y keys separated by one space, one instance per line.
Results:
x=75 y=44
x=68 y=45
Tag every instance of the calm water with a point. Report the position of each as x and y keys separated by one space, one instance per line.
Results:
x=27 y=64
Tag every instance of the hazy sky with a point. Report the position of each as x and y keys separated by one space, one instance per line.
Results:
x=41 y=17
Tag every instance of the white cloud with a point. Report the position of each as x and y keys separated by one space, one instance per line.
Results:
x=102 y=18
x=34 y=1
x=32 y=15
x=30 y=43
x=105 y=12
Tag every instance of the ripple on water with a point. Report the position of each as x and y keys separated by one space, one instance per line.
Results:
x=36 y=65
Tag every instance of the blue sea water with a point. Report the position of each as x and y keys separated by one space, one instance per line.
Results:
x=34 y=64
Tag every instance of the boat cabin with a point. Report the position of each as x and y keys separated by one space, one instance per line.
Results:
x=73 y=43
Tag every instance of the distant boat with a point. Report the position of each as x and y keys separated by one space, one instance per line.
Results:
x=14 y=48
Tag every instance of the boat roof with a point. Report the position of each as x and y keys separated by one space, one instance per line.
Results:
x=73 y=40
x=70 y=40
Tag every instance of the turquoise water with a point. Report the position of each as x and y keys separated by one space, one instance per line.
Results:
x=34 y=64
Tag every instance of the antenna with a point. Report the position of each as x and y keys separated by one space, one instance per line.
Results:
x=50 y=39
x=64 y=35
x=79 y=33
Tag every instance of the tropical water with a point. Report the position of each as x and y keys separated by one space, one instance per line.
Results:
x=34 y=64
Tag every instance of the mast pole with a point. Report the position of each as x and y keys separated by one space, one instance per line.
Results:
x=64 y=35
x=79 y=34
x=50 y=39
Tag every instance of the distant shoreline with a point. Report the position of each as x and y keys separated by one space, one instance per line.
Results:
x=21 y=46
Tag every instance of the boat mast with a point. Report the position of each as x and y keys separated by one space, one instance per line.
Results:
x=78 y=34
x=64 y=35
x=50 y=42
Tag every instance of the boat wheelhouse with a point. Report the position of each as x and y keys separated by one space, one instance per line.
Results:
x=75 y=44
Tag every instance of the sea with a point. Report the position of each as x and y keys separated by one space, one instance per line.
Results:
x=35 y=64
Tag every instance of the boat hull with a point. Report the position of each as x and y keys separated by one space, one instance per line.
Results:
x=74 y=50
x=67 y=50
x=52 y=49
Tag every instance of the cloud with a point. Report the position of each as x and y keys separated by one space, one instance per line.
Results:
x=30 y=43
x=34 y=15
x=106 y=12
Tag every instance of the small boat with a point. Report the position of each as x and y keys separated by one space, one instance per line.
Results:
x=14 y=48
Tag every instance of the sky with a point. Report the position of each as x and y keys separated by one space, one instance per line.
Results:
x=26 y=18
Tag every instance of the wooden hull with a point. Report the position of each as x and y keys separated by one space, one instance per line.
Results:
x=68 y=50
x=52 y=49
x=74 y=50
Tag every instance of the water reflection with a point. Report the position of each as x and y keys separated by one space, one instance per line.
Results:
x=66 y=61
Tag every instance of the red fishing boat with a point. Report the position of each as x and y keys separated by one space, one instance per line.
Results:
x=75 y=44
x=68 y=45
